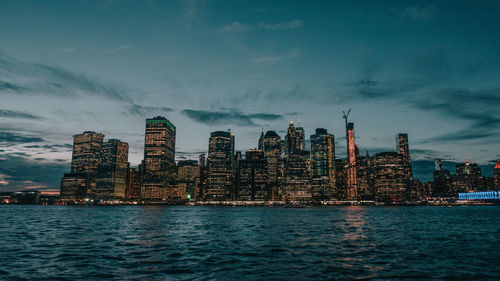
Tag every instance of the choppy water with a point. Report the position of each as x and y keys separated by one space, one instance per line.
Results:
x=230 y=243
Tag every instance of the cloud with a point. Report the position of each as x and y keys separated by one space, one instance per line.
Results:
x=245 y=27
x=293 y=54
x=418 y=13
x=17 y=114
x=35 y=78
x=234 y=117
x=19 y=173
x=145 y=111
x=7 y=138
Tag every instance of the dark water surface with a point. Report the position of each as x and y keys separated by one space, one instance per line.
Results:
x=248 y=243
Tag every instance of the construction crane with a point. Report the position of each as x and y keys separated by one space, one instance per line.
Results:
x=346 y=115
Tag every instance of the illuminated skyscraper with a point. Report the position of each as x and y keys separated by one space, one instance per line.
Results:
x=133 y=191
x=272 y=154
x=85 y=152
x=403 y=149
x=389 y=176
x=352 y=182
x=496 y=175
x=297 y=184
x=159 y=159
x=80 y=183
x=220 y=158
x=111 y=180
x=323 y=161
x=252 y=177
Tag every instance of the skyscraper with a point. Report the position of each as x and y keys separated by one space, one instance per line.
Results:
x=80 y=182
x=220 y=158
x=323 y=161
x=159 y=159
x=272 y=154
x=352 y=182
x=85 y=152
x=111 y=180
x=389 y=176
x=297 y=184
x=252 y=177
x=496 y=175
x=403 y=149
x=133 y=191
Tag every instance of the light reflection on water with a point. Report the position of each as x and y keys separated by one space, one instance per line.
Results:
x=161 y=242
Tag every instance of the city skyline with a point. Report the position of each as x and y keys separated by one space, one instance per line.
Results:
x=401 y=65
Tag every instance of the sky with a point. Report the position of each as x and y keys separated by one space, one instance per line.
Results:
x=427 y=68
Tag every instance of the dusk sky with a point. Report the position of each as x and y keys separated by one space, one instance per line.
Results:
x=429 y=69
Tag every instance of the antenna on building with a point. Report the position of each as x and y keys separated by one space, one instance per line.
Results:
x=298 y=119
x=345 y=115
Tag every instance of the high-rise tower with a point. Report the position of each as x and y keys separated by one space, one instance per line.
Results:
x=352 y=182
x=159 y=159
x=80 y=183
x=220 y=162
x=323 y=160
x=404 y=150
x=496 y=175
x=111 y=181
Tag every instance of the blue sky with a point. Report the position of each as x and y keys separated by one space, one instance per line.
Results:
x=426 y=68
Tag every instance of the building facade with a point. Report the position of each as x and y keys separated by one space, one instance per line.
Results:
x=220 y=165
x=159 y=160
x=111 y=180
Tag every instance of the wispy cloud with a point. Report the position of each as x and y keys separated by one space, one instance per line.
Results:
x=8 y=138
x=245 y=27
x=233 y=117
x=292 y=54
x=145 y=111
x=17 y=114
x=418 y=13
x=36 y=78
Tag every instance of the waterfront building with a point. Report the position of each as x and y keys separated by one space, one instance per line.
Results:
x=80 y=182
x=272 y=153
x=133 y=191
x=252 y=177
x=352 y=182
x=111 y=179
x=496 y=175
x=403 y=148
x=220 y=163
x=441 y=186
x=467 y=178
x=297 y=185
x=322 y=163
x=389 y=176
x=158 y=182
x=189 y=179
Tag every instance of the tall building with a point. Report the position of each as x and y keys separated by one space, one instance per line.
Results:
x=220 y=162
x=467 y=178
x=189 y=174
x=323 y=162
x=496 y=175
x=441 y=186
x=133 y=191
x=389 y=176
x=202 y=160
x=297 y=185
x=403 y=149
x=252 y=177
x=111 y=180
x=352 y=182
x=80 y=182
x=159 y=160
x=272 y=153
x=85 y=158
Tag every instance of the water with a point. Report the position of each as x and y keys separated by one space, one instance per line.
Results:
x=249 y=243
